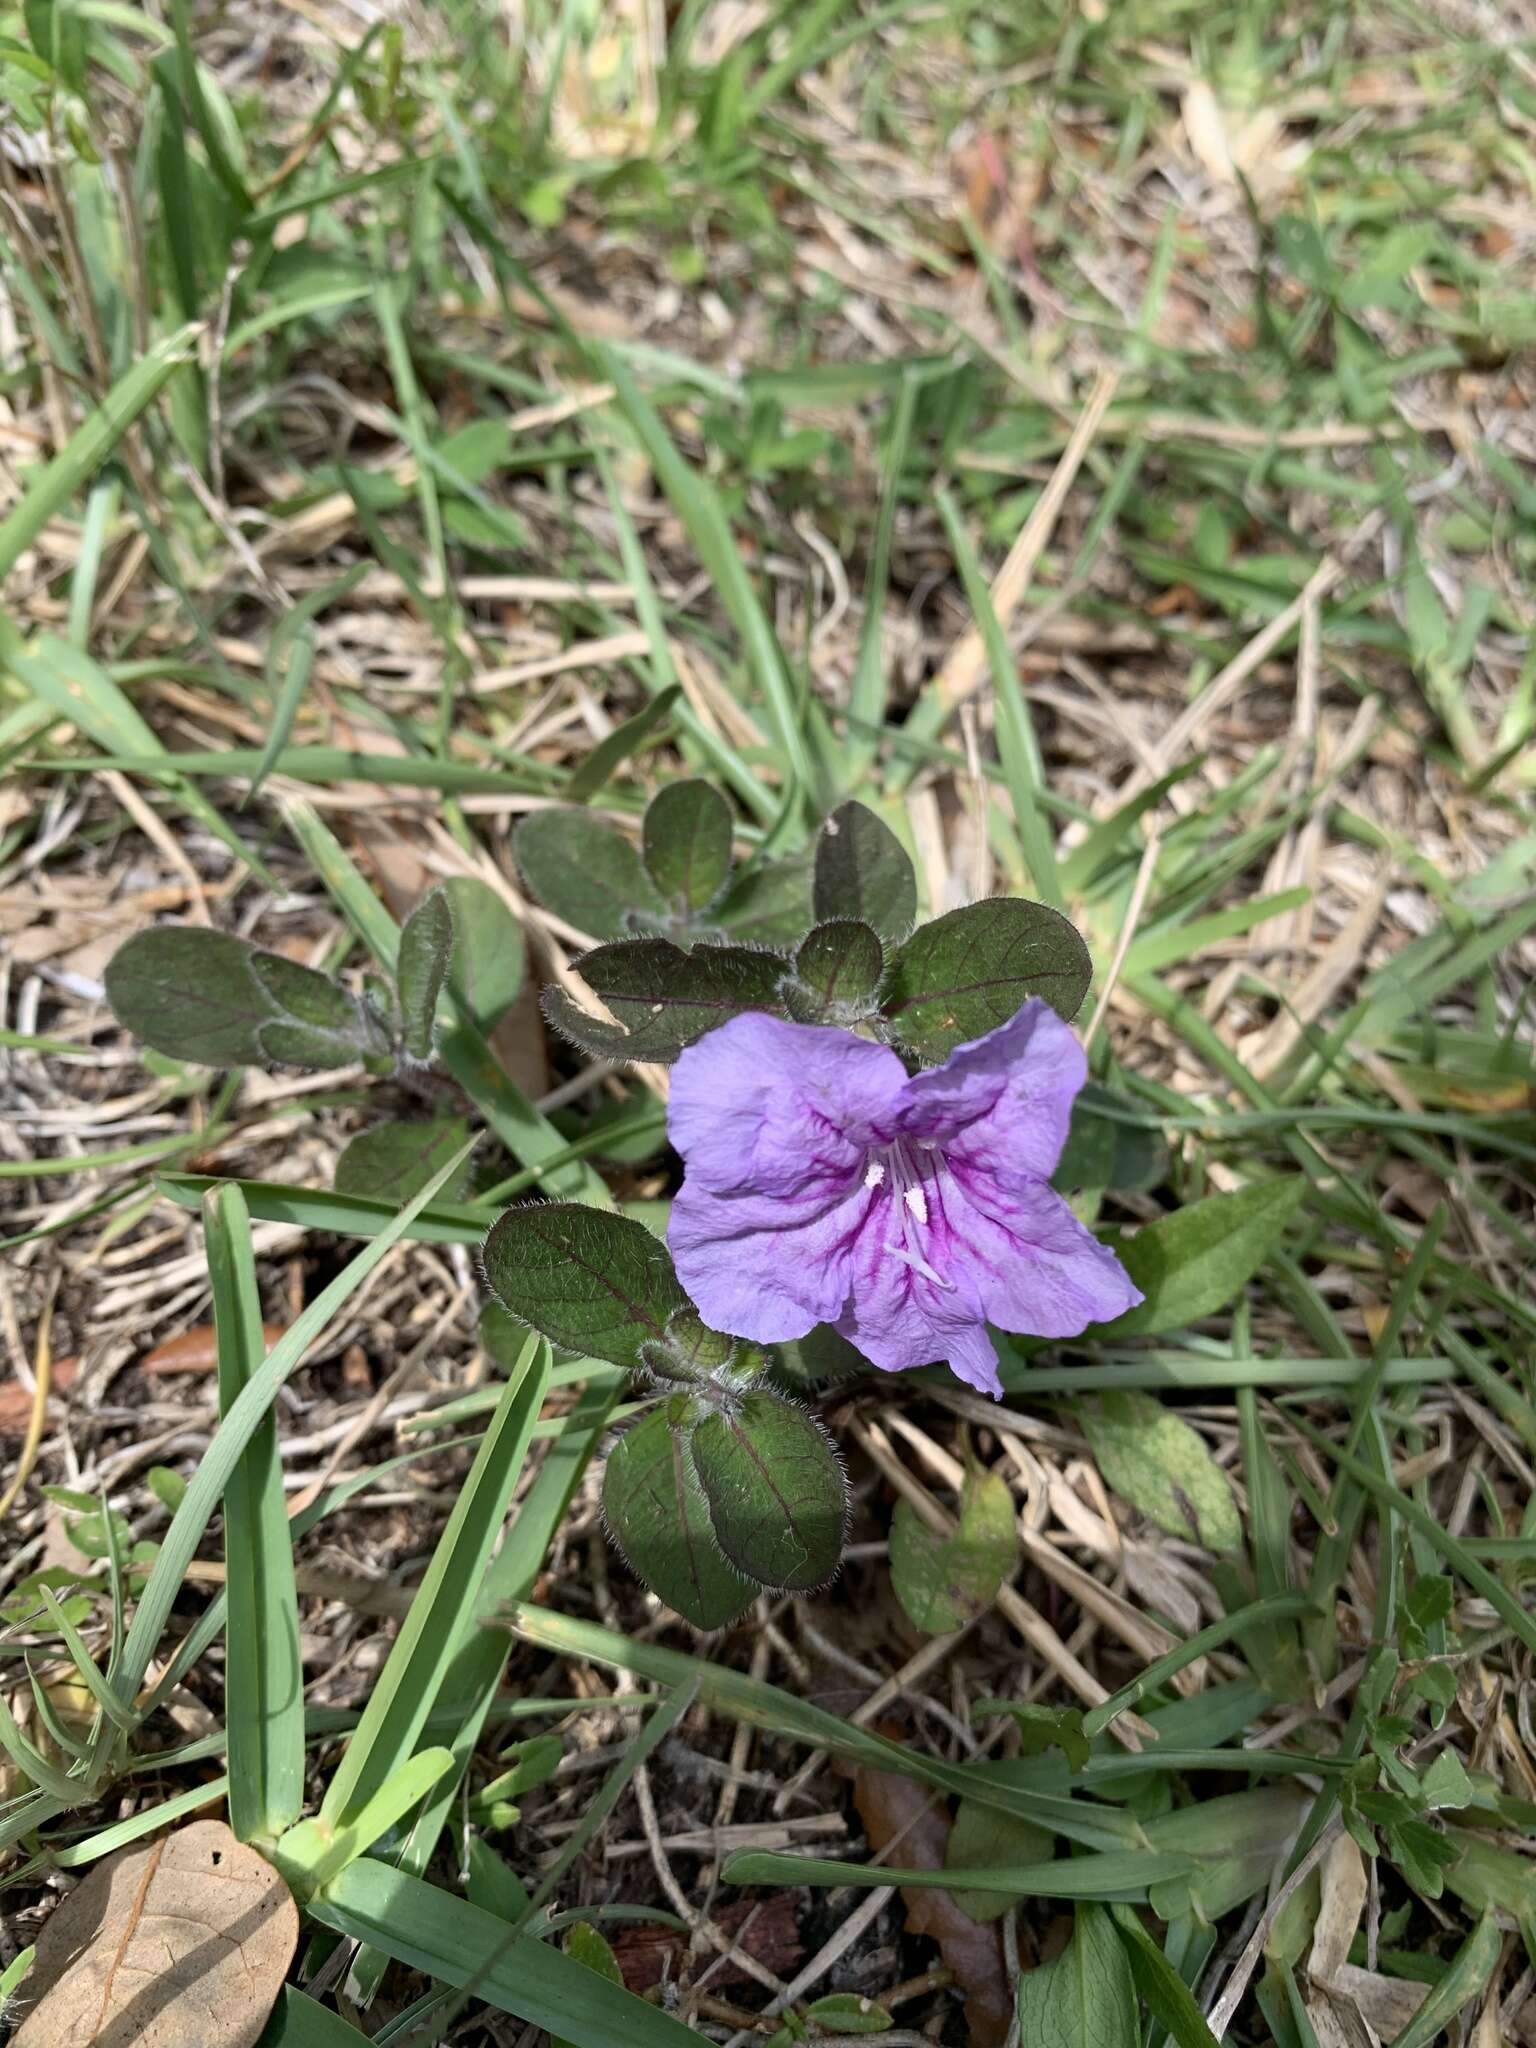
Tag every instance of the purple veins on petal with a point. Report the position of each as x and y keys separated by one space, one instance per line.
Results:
x=823 y=1184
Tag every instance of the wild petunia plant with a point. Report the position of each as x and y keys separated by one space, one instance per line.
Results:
x=869 y=1113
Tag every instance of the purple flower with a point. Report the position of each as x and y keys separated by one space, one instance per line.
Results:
x=825 y=1184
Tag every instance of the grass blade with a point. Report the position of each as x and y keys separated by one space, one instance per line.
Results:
x=90 y=445
x=235 y=1432
x=446 y=1604
x=264 y=1674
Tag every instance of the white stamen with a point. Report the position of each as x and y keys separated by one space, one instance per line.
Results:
x=906 y=1180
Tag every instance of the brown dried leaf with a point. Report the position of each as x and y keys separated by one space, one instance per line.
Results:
x=764 y=1930
x=195 y=1350
x=16 y=1400
x=914 y=1824
x=183 y=1943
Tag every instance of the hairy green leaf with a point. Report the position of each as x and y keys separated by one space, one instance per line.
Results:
x=426 y=949
x=593 y=1283
x=663 y=997
x=777 y=1498
x=585 y=872
x=686 y=843
x=862 y=871
x=657 y=1517
x=972 y=969
x=201 y=995
x=837 y=973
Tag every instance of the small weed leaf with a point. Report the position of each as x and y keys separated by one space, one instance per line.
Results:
x=945 y=1582
x=1085 y=1998
x=393 y=1161
x=1191 y=1262
x=1158 y=1463
x=770 y=905
x=426 y=948
x=486 y=969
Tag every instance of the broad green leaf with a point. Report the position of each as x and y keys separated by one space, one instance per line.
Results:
x=945 y=1582
x=1191 y=1262
x=593 y=1283
x=392 y=1161
x=663 y=997
x=585 y=872
x=972 y=969
x=837 y=973
x=202 y=995
x=862 y=871
x=426 y=948
x=777 y=1498
x=1086 y=1998
x=486 y=969
x=983 y=1838
x=770 y=905
x=1156 y=1462
x=657 y=1518
x=686 y=843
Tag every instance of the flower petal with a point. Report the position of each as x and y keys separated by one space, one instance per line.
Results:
x=1003 y=1103
x=900 y=1316
x=762 y=1266
x=1022 y=1256
x=770 y=1107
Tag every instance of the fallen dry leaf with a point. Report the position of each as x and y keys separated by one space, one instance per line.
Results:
x=183 y=1943
x=16 y=1400
x=195 y=1350
x=899 y=1811
x=765 y=1930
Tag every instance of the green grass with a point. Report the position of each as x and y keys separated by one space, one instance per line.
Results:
x=342 y=387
